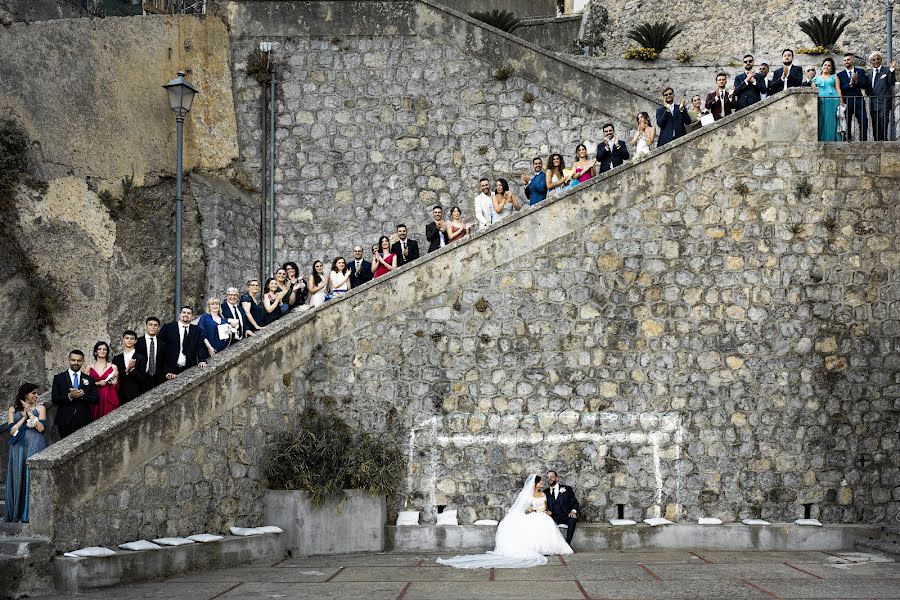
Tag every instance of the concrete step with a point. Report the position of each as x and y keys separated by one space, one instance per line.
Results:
x=891 y=532
x=12 y=530
x=891 y=548
x=24 y=563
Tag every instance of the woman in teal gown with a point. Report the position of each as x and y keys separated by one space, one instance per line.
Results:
x=829 y=100
x=26 y=422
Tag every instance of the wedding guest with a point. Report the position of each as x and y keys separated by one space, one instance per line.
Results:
x=786 y=76
x=436 y=231
x=483 y=207
x=718 y=101
x=290 y=290
x=214 y=327
x=644 y=136
x=339 y=277
x=456 y=228
x=273 y=305
x=747 y=85
x=503 y=201
x=384 y=260
x=184 y=345
x=584 y=168
x=236 y=316
x=318 y=281
x=764 y=71
x=72 y=393
x=131 y=367
x=405 y=249
x=809 y=76
x=612 y=152
x=26 y=422
x=251 y=306
x=694 y=113
x=852 y=83
x=150 y=346
x=296 y=283
x=830 y=98
x=106 y=377
x=536 y=185
x=360 y=268
x=556 y=177
x=671 y=118
x=882 y=80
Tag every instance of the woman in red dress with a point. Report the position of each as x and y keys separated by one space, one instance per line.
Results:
x=456 y=229
x=106 y=376
x=383 y=259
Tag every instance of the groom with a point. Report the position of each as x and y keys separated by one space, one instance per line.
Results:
x=562 y=503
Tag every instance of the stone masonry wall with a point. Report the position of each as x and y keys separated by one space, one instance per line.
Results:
x=723 y=346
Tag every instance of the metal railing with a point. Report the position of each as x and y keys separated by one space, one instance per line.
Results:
x=175 y=7
x=863 y=118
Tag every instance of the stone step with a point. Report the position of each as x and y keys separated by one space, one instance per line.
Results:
x=891 y=548
x=12 y=530
x=891 y=532
x=17 y=559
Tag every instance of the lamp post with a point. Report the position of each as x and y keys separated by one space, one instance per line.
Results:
x=181 y=96
x=889 y=6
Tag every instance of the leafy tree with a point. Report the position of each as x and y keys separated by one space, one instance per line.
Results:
x=595 y=25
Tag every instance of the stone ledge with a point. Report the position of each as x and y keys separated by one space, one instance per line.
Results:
x=591 y=537
x=78 y=574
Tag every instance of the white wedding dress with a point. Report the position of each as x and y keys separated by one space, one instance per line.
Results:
x=523 y=539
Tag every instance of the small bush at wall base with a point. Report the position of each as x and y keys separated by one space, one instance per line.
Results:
x=641 y=53
x=654 y=35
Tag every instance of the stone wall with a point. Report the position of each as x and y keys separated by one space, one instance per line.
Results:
x=696 y=332
x=553 y=33
x=397 y=106
x=12 y=11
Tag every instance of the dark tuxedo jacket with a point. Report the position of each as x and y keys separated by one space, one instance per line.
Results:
x=671 y=126
x=882 y=84
x=433 y=235
x=194 y=349
x=714 y=105
x=610 y=160
x=73 y=414
x=794 y=79
x=565 y=503
x=747 y=94
x=364 y=275
x=130 y=384
x=412 y=246
x=238 y=314
x=854 y=91
x=148 y=382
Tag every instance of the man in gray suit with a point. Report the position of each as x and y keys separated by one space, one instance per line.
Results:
x=881 y=98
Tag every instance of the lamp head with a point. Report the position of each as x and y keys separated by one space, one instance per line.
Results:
x=181 y=94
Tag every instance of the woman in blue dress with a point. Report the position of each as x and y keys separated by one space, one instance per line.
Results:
x=26 y=422
x=829 y=100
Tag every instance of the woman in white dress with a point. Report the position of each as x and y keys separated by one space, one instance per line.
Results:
x=525 y=536
x=646 y=133
x=503 y=201
x=316 y=285
x=556 y=179
x=339 y=278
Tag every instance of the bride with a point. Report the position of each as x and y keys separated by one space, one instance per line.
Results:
x=524 y=536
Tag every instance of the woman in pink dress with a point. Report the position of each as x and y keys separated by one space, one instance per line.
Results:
x=106 y=376
x=383 y=259
x=456 y=228
x=583 y=167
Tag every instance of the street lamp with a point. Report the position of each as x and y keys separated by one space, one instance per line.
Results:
x=890 y=30
x=181 y=96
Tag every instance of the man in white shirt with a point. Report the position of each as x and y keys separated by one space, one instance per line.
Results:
x=232 y=311
x=131 y=367
x=483 y=204
x=184 y=345
x=562 y=504
x=151 y=347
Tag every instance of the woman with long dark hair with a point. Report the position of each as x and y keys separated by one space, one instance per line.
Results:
x=383 y=259
x=830 y=99
x=272 y=301
x=106 y=376
x=503 y=201
x=339 y=277
x=584 y=167
x=317 y=283
x=556 y=178
x=26 y=422
x=296 y=283
x=644 y=136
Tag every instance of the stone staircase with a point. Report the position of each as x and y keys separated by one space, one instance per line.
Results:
x=20 y=553
x=888 y=542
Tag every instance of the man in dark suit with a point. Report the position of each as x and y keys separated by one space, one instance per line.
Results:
x=748 y=86
x=153 y=349
x=132 y=367
x=183 y=343
x=360 y=268
x=718 y=102
x=881 y=100
x=612 y=152
x=405 y=249
x=787 y=76
x=72 y=392
x=562 y=504
x=234 y=312
x=671 y=118
x=436 y=231
x=853 y=83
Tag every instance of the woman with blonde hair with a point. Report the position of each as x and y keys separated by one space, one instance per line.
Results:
x=214 y=327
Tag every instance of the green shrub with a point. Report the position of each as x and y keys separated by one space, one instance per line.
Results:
x=825 y=32
x=595 y=26
x=654 y=35
x=499 y=19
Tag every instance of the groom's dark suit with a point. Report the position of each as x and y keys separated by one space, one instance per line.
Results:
x=560 y=507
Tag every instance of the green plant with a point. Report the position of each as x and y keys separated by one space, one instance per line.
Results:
x=642 y=53
x=322 y=456
x=803 y=187
x=260 y=65
x=596 y=22
x=654 y=35
x=528 y=97
x=825 y=32
x=742 y=189
x=482 y=305
x=502 y=73
x=13 y=157
x=127 y=185
x=503 y=20
x=682 y=56
x=813 y=51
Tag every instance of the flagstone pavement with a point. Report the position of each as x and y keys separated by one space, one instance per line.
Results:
x=584 y=576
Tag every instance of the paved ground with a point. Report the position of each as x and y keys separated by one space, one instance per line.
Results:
x=585 y=576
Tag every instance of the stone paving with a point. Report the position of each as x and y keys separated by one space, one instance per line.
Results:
x=584 y=576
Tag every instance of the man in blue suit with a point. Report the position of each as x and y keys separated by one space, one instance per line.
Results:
x=671 y=118
x=536 y=186
x=748 y=86
x=853 y=82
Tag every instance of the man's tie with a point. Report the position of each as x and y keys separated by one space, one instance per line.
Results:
x=184 y=331
x=75 y=380
x=151 y=364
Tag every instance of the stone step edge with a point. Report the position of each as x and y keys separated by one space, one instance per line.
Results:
x=888 y=547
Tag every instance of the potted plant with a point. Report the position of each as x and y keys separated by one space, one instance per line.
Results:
x=327 y=485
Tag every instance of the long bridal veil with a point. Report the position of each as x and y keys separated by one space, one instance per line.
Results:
x=511 y=546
